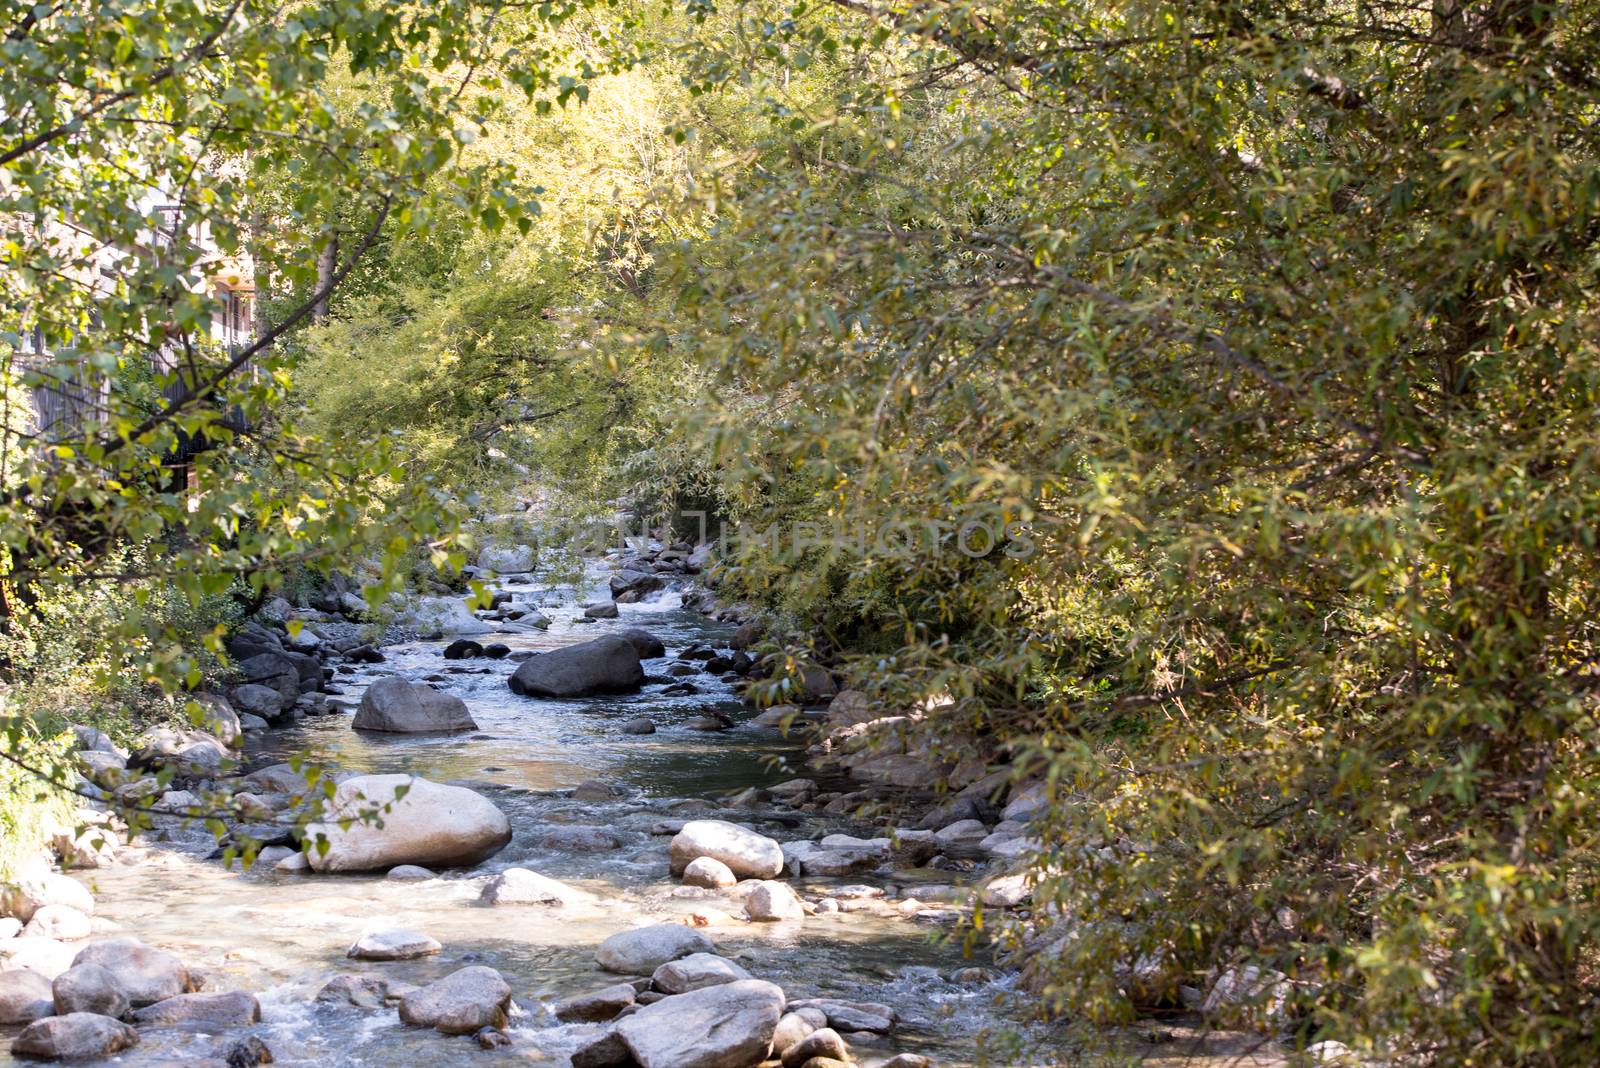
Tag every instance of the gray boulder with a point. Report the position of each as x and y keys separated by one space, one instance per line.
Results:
x=77 y=1035
x=145 y=974
x=591 y=1008
x=89 y=988
x=576 y=838
x=461 y=1003
x=261 y=702
x=601 y=610
x=694 y=972
x=25 y=996
x=274 y=670
x=506 y=559
x=394 y=705
x=642 y=950
x=726 y=1026
x=604 y=665
x=218 y=718
x=235 y=1008
x=648 y=645
x=637 y=583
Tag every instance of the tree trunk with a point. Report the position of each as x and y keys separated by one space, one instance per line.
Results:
x=327 y=263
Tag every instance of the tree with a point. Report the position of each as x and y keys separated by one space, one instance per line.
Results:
x=154 y=158
x=1261 y=337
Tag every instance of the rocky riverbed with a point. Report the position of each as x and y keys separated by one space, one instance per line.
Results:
x=584 y=867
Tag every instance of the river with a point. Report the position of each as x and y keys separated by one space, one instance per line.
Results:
x=283 y=936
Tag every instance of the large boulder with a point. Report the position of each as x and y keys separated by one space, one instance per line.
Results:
x=190 y=754
x=604 y=665
x=218 y=718
x=461 y=1003
x=25 y=996
x=725 y=1026
x=308 y=669
x=145 y=974
x=75 y=1036
x=646 y=644
x=746 y=853
x=274 y=670
x=392 y=704
x=642 y=950
x=89 y=988
x=233 y=1008
x=431 y=824
x=261 y=702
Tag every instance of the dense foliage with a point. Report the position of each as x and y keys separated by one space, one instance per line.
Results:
x=1189 y=406
x=1263 y=339
x=159 y=159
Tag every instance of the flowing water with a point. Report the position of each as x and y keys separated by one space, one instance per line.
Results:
x=283 y=936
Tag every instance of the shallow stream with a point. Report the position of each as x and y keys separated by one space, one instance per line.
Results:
x=283 y=936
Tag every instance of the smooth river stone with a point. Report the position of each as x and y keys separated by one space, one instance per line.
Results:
x=433 y=825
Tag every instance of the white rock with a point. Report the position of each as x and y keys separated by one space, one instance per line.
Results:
x=1249 y=994
x=1006 y=892
x=770 y=901
x=432 y=824
x=62 y=922
x=46 y=956
x=519 y=886
x=708 y=872
x=506 y=559
x=393 y=943
x=38 y=886
x=881 y=846
x=442 y=615
x=746 y=853
x=962 y=832
x=642 y=950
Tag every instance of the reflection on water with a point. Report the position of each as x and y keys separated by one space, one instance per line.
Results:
x=284 y=936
